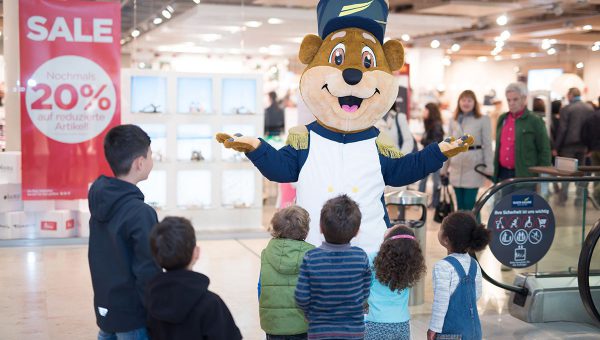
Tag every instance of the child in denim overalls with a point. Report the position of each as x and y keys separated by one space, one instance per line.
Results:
x=457 y=279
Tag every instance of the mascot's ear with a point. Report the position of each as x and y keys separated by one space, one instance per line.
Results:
x=394 y=54
x=309 y=48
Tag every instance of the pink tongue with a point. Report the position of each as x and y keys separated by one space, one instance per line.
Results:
x=349 y=108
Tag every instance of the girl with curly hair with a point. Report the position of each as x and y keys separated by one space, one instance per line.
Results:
x=397 y=266
x=457 y=279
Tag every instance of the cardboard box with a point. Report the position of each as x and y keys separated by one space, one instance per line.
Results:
x=17 y=225
x=10 y=167
x=83 y=223
x=56 y=224
x=39 y=205
x=10 y=197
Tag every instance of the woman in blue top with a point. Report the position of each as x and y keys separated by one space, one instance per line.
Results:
x=397 y=266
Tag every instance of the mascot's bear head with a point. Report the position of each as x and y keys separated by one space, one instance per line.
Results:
x=348 y=82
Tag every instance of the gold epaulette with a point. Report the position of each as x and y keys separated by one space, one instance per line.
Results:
x=386 y=147
x=298 y=137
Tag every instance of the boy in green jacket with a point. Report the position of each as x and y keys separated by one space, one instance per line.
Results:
x=280 y=261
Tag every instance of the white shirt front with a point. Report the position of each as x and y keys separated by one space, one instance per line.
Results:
x=334 y=168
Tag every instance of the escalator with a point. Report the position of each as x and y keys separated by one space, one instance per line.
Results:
x=565 y=285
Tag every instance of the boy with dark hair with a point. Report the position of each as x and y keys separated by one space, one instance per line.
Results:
x=180 y=306
x=335 y=278
x=119 y=253
x=280 y=261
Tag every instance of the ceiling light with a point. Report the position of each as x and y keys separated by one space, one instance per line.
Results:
x=587 y=27
x=546 y=44
x=455 y=47
x=558 y=10
x=482 y=58
x=446 y=61
x=505 y=35
x=497 y=58
x=135 y=33
x=157 y=21
x=551 y=51
x=210 y=37
x=597 y=43
x=496 y=51
x=197 y=2
x=435 y=43
x=263 y=50
x=166 y=14
x=499 y=44
x=579 y=65
x=553 y=41
x=405 y=37
x=142 y=65
x=502 y=20
x=253 y=24
x=275 y=21
x=595 y=48
x=170 y=9
x=516 y=56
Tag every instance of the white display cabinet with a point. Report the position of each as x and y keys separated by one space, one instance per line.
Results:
x=193 y=175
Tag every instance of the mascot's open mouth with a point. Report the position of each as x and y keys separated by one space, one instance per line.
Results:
x=349 y=103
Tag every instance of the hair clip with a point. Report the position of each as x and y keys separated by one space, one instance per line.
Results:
x=396 y=237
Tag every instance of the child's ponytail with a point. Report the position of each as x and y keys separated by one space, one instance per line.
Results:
x=480 y=237
x=464 y=233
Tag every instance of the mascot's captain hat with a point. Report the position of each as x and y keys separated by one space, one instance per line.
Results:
x=369 y=15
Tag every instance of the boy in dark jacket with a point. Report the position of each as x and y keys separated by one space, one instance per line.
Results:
x=280 y=263
x=119 y=253
x=180 y=306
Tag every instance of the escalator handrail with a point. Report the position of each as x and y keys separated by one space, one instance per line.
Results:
x=583 y=271
x=512 y=181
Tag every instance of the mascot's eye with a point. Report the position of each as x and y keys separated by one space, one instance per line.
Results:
x=368 y=57
x=338 y=54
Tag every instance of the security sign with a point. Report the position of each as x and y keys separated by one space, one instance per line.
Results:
x=522 y=228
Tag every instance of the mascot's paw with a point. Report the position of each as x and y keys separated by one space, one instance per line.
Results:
x=451 y=147
x=238 y=142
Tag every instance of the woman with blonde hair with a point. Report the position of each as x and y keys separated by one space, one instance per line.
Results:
x=461 y=169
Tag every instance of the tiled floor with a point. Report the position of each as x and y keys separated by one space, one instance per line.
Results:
x=47 y=294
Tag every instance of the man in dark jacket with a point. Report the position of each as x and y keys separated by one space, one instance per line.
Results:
x=568 y=138
x=274 y=117
x=521 y=138
x=180 y=306
x=591 y=139
x=119 y=251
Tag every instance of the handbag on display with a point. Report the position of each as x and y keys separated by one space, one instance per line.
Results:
x=445 y=206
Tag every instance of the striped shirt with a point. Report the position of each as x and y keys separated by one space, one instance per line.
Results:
x=333 y=286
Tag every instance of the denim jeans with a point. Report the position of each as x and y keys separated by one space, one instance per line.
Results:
x=136 y=334
x=435 y=176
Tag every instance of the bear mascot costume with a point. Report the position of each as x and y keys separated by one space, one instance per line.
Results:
x=348 y=85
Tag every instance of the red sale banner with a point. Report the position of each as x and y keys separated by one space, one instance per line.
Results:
x=70 y=64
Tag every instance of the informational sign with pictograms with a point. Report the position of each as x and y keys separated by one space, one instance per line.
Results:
x=70 y=83
x=522 y=228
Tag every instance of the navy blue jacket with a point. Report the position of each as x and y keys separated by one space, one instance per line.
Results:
x=119 y=253
x=181 y=307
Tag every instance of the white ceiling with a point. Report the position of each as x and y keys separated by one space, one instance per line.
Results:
x=219 y=29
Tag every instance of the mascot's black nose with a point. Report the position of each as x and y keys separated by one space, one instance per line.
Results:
x=352 y=76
